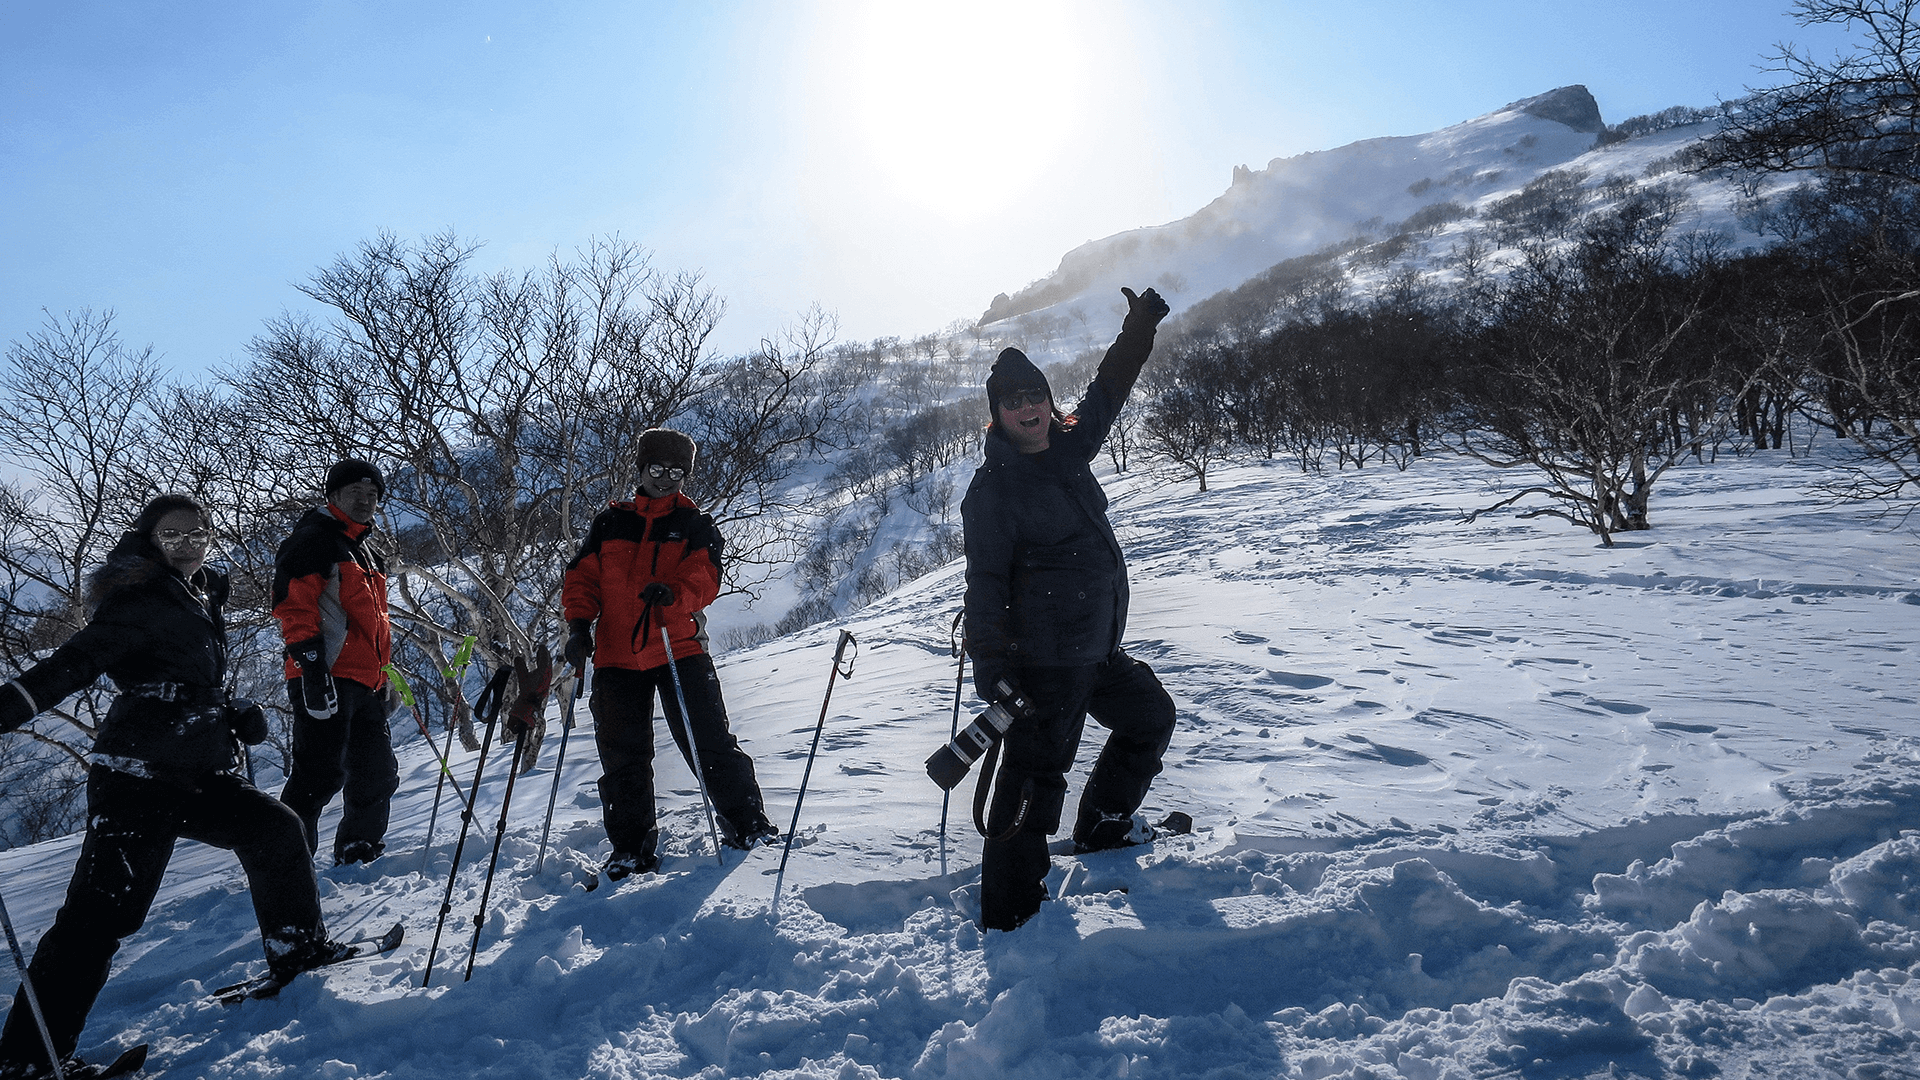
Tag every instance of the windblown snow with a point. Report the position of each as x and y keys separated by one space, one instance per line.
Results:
x=1473 y=799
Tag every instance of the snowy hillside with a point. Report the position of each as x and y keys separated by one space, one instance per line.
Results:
x=1300 y=205
x=1473 y=800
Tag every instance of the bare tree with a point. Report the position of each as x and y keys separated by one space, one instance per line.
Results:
x=76 y=419
x=1589 y=358
x=1182 y=421
x=1858 y=112
x=500 y=406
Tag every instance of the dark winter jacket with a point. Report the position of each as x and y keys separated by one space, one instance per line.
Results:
x=1046 y=582
x=329 y=583
x=630 y=546
x=167 y=655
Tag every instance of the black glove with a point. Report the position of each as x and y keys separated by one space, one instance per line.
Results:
x=14 y=709
x=316 y=684
x=247 y=720
x=1144 y=311
x=987 y=680
x=579 y=644
x=659 y=594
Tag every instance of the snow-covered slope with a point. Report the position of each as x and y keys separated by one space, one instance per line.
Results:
x=1303 y=204
x=1474 y=800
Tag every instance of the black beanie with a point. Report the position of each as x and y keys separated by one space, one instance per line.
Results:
x=667 y=447
x=352 y=471
x=1011 y=372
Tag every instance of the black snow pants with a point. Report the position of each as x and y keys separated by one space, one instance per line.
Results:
x=351 y=752
x=132 y=823
x=1124 y=696
x=622 y=704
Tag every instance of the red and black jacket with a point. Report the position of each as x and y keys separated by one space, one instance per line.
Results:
x=630 y=546
x=328 y=583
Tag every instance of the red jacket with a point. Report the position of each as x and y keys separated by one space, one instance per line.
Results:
x=328 y=584
x=630 y=546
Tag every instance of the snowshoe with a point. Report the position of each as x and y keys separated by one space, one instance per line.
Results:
x=129 y=1061
x=302 y=957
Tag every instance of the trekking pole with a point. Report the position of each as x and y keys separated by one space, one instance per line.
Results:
x=488 y=708
x=958 y=642
x=33 y=1000
x=460 y=660
x=499 y=834
x=846 y=638
x=566 y=729
x=529 y=699
x=693 y=745
x=446 y=773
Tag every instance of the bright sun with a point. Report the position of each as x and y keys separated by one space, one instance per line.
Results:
x=957 y=106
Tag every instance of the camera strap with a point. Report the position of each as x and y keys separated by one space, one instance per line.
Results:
x=983 y=786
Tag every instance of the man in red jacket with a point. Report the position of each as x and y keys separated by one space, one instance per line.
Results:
x=330 y=595
x=646 y=564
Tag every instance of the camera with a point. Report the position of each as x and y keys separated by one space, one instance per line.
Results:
x=949 y=764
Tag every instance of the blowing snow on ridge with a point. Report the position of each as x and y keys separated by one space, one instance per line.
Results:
x=1300 y=205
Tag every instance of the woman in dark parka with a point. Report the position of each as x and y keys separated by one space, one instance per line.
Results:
x=164 y=765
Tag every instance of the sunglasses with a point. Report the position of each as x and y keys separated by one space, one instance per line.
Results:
x=1020 y=399
x=173 y=538
x=657 y=470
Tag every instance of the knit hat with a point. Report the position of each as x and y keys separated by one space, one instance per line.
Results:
x=352 y=471
x=1012 y=372
x=667 y=447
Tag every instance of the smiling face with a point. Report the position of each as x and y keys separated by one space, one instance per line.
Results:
x=1027 y=419
x=182 y=539
x=659 y=480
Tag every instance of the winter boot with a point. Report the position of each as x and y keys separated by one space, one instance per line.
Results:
x=1111 y=831
x=623 y=864
x=358 y=851
x=755 y=831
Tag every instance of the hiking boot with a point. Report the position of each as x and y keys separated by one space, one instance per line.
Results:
x=758 y=831
x=622 y=864
x=358 y=851
x=1112 y=831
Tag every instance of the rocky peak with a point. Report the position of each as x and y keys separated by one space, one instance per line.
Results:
x=1569 y=105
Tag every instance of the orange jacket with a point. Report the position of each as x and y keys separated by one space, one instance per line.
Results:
x=328 y=584
x=630 y=546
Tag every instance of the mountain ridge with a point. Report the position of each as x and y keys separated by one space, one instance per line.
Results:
x=1302 y=203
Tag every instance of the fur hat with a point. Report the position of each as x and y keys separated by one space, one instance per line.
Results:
x=1011 y=372
x=667 y=447
x=352 y=471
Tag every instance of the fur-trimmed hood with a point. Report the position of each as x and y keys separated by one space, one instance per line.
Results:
x=131 y=568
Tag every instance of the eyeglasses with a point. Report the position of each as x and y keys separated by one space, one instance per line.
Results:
x=173 y=538
x=657 y=470
x=1020 y=399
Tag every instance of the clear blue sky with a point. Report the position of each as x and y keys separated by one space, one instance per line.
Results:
x=896 y=163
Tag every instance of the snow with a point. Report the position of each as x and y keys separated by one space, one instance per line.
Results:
x=1367 y=189
x=1473 y=800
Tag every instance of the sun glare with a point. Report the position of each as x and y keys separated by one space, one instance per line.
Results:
x=955 y=107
